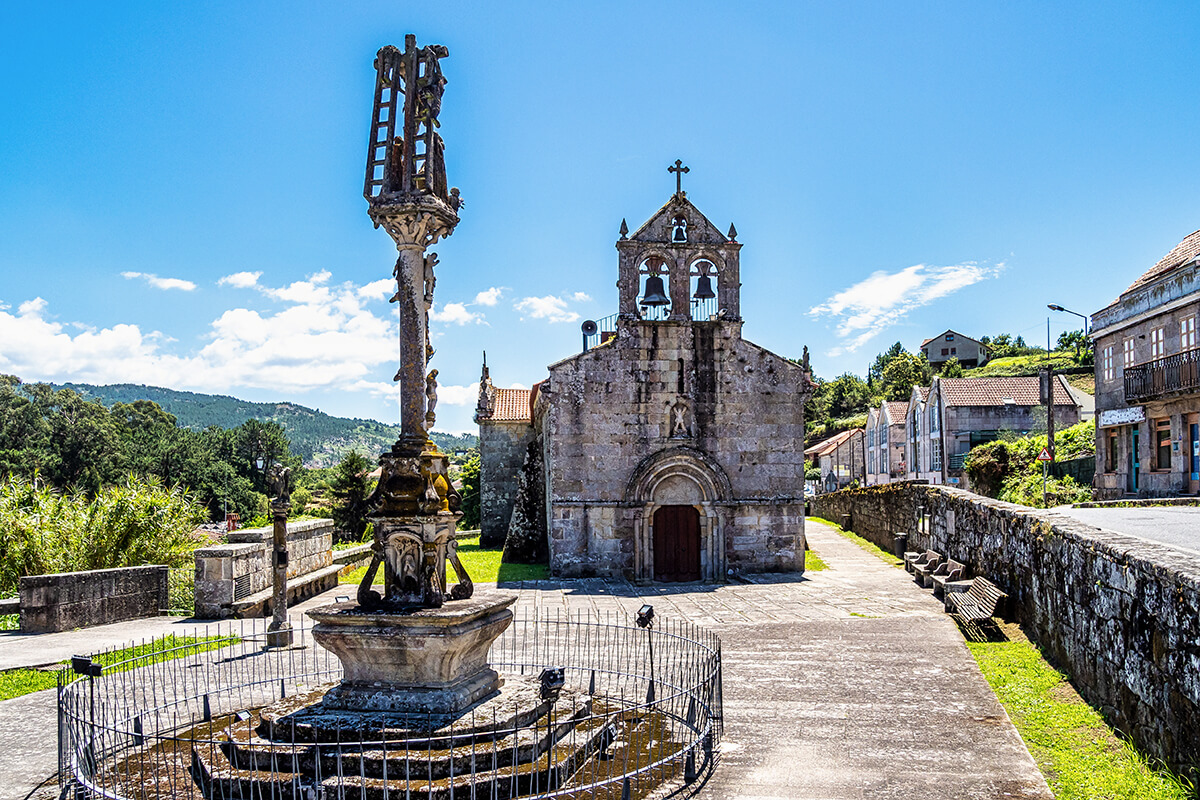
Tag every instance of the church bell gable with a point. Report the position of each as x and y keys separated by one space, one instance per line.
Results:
x=678 y=266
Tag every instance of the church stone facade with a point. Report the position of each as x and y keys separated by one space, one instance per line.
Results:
x=673 y=451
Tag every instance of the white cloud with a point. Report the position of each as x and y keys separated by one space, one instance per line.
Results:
x=324 y=337
x=240 y=280
x=449 y=395
x=489 y=297
x=161 y=283
x=312 y=290
x=455 y=313
x=549 y=308
x=381 y=289
x=581 y=297
x=883 y=299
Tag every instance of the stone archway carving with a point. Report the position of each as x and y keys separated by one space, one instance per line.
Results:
x=679 y=476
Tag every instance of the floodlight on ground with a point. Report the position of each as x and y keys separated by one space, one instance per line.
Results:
x=552 y=679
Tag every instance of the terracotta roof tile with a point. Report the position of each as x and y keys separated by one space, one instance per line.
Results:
x=1000 y=392
x=510 y=405
x=897 y=410
x=821 y=448
x=1181 y=254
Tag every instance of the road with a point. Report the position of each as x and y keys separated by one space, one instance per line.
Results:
x=1177 y=526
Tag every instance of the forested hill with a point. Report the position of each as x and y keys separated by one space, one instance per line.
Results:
x=320 y=439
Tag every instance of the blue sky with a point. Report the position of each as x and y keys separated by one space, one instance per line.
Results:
x=180 y=184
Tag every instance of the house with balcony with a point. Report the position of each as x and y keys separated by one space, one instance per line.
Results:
x=885 y=442
x=1148 y=382
x=952 y=344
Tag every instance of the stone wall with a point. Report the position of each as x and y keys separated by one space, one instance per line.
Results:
x=502 y=449
x=229 y=573
x=70 y=600
x=1120 y=615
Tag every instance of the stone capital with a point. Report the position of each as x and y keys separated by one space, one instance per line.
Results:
x=417 y=224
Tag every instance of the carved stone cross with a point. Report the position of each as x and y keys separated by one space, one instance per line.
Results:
x=678 y=169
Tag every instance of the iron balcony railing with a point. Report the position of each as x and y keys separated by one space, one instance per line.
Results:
x=1175 y=373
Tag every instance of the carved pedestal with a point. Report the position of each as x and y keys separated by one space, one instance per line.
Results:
x=430 y=661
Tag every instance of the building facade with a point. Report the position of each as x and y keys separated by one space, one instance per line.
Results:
x=506 y=430
x=841 y=458
x=1148 y=382
x=886 y=442
x=952 y=344
x=673 y=449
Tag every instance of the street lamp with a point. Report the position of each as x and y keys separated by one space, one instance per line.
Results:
x=1054 y=307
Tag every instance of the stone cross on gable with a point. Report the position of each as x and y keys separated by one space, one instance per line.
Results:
x=678 y=169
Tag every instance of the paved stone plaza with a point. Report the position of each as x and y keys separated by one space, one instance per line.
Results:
x=844 y=683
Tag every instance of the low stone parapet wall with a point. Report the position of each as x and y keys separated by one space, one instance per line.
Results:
x=69 y=600
x=1120 y=614
x=227 y=574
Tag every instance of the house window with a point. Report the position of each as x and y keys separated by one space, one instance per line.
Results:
x=935 y=454
x=949 y=337
x=1162 y=444
x=1127 y=353
x=1106 y=362
x=945 y=351
x=1157 y=340
x=933 y=420
x=1110 y=454
x=953 y=351
x=1187 y=333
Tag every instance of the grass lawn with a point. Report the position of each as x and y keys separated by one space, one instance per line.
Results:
x=861 y=542
x=1076 y=750
x=813 y=562
x=16 y=682
x=482 y=564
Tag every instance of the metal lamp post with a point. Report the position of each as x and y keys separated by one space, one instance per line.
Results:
x=1056 y=307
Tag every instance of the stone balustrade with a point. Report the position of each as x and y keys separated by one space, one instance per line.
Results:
x=234 y=579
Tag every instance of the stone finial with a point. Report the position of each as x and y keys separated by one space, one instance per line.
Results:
x=624 y=229
x=483 y=408
x=732 y=233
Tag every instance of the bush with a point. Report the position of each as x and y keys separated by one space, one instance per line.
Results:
x=1007 y=469
x=44 y=531
x=469 y=476
x=1026 y=490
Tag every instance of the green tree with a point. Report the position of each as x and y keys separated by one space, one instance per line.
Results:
x=847 y=394
x=952 y=369
x=351 y=489
x=469 y=475
x=902 y=373
x=875 y=372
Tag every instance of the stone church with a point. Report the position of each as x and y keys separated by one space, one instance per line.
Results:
x=671 y=449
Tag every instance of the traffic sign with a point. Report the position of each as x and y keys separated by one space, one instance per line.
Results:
x=1044 y=455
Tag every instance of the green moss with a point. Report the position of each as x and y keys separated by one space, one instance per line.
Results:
x=813 y=562
x=1079 y=754
x=482 y=564
x=863 y=543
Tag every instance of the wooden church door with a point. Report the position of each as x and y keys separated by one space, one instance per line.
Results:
x=677 y=544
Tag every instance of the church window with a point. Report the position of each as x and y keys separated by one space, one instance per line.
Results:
x=679 y=229
x=703 y=285
x=654 y=300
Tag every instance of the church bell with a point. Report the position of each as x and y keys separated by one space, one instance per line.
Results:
x=680 y=235
x=655 y=293
x=704 y=290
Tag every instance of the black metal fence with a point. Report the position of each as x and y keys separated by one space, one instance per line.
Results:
x=640 y=713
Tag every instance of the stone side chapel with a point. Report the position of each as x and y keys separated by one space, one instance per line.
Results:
x=673 y=450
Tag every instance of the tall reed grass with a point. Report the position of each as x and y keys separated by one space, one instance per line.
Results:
x=139 y=521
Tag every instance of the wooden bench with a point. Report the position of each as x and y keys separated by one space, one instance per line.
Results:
x=948 y=570
x=921 y=572
x=976 y=606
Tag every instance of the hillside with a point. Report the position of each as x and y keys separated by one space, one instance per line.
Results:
x=318 y=438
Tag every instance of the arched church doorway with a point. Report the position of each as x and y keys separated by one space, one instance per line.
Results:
x=676 y=544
